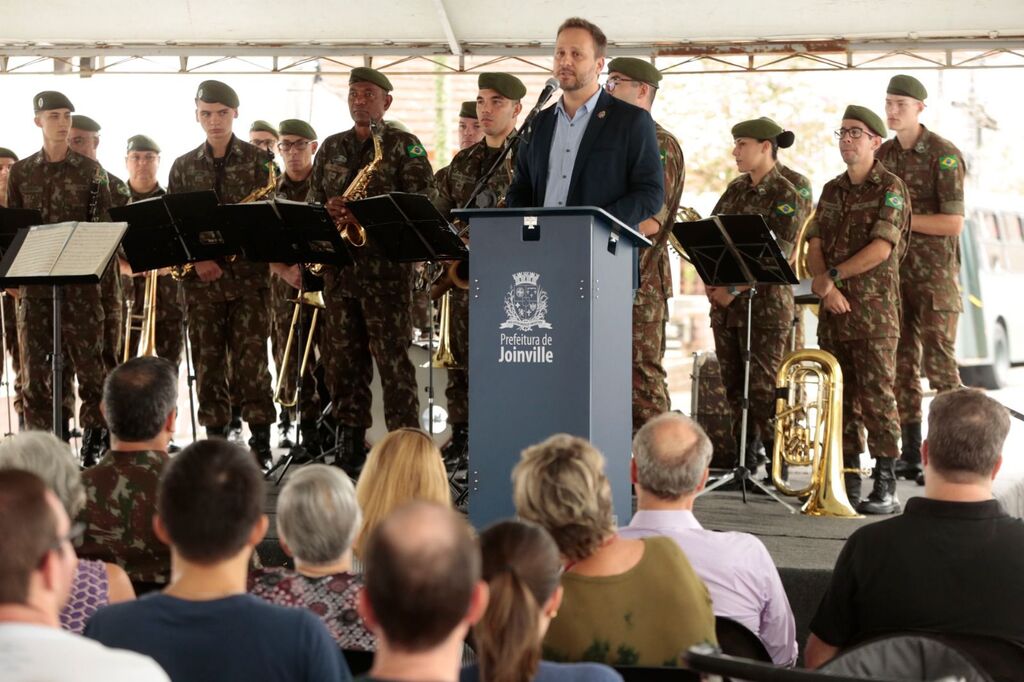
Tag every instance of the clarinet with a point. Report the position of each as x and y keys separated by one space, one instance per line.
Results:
x=94 y=197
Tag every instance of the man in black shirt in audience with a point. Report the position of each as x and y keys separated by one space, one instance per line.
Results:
x=952 y=563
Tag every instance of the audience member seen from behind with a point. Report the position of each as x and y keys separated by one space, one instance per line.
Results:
x=620 y=594
x=423 y=593
x=37 y=566
x=140 y=401
x=671 y=455
x=522 y=567
x=96 y=583
x=204 y=626
x=403 y=466
x=951 y=563
x=317 y=518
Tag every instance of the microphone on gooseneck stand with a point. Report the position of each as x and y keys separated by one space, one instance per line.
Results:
x=549 y=89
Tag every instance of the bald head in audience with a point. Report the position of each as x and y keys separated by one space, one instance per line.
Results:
x=671 y=456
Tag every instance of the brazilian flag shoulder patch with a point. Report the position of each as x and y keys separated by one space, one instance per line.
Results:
x=785 y=209
x=894 y=200
x=805 y=192
x=415 y=151
x=948 y=162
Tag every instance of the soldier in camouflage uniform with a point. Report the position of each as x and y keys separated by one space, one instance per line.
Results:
x=142 y=158
x=636 y=81
x=63 y=185
x=297 y=146
x=933 y=170
x=228 y=309
x=140 y=402
x=498 y=107
x=368 y=303
x=10 y=301
x=85 y=139
x=856 y=240
x=761 y=190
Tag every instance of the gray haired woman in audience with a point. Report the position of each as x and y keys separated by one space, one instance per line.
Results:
x=627 y=602
x=522 y=567
x=96 y=583
x=317 y=519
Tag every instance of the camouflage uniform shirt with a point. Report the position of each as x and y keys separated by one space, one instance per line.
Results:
x=455 y=182
x=655 y=271
x=933 y=171
x=848 y=218
x=243 y=169
x=120 y=503
x=777 y=200
x=805 y=195
x=403 y=168
x=61 y=191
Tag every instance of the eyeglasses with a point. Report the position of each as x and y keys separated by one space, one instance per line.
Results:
x=288 y=146
x=614 y=81
x=854 y=133
x=73 y=535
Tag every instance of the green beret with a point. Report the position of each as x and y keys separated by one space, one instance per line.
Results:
x=6 y=153
x=637 y=69
x=908 y=86
x=141 y=143
x=364 y=74
x=51 y=99
x=467 y=110
x=215 y=92
x=504 y=84
x=867 y=117
x=261 y=126
x=85 y=123
x=758 y=129
x=294 y=126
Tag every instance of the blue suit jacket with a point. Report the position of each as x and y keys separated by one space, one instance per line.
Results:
x=618 y=167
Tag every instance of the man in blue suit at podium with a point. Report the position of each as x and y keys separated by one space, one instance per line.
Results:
x=590 y=149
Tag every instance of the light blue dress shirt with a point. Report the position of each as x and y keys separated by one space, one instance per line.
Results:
x=565 y=144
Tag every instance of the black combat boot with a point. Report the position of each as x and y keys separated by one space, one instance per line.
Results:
x=259 y=443
x=219 y=431
x=456 y=450
x=908 y=466
x=284 y=430
x=310 y=443
x=852 y=479
x=882 y=499
x=352 y=449
x=93 y=445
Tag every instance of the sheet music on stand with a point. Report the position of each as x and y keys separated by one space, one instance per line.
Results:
x=60 y=253
x=14 y=219
x=283 y=231
x=761 y=260
x=408 y=228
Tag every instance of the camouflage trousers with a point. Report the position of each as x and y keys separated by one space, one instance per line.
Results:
x=113 y=301
x=11 y=305
x=82 y=336
x=928 y=334
x=650 y=381
x=238 y=328
x=869 y=372
x=170 y=342
x=358 y=331
x=282 y=312
x=768 y=346
x=457 y=391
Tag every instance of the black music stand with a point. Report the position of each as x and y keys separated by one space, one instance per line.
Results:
x=11 y=220
x=58 y=254
x=283 y=231
x=174 y=230
x=737 y=250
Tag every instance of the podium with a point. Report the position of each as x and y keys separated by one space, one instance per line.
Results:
x=550 y=343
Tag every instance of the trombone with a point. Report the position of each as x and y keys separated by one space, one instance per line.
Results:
x=316 y=300
x=147 y=325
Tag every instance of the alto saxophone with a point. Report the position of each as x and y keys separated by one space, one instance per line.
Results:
x=349 y=228
x=258 y=194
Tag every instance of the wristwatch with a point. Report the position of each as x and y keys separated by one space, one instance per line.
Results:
x=734 y=290
x=836 y=279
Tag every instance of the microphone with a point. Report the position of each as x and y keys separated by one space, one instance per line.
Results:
x=549 y=88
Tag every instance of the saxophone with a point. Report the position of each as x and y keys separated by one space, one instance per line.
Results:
x=179 y=272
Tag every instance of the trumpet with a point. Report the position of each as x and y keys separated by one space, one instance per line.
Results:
x=314 y=299
x=147 y=326
x=809 y=431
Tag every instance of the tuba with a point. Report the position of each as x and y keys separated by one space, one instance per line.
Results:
x=809 y=431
